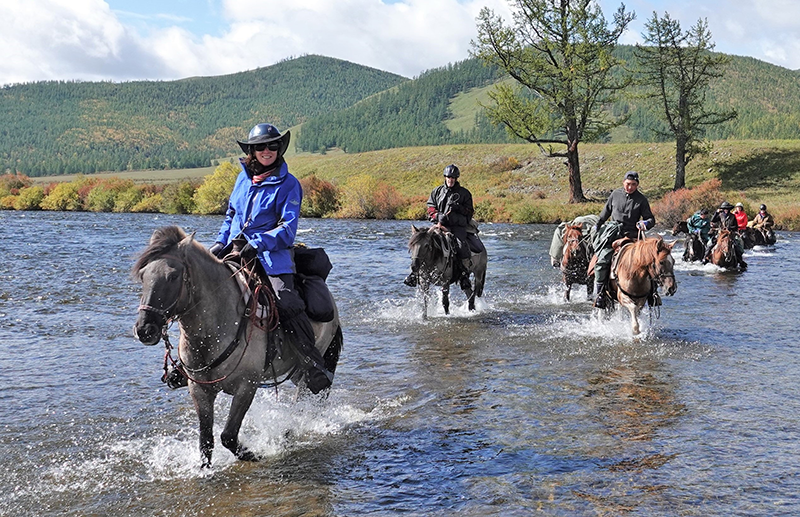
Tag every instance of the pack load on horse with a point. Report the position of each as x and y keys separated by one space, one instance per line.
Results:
x=571 y=251
x=231 y=334
x=450 y=251
x=697 y=229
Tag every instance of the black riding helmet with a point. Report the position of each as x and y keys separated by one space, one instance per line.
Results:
x=763 y=207
x=451 y=171
x=264 y=134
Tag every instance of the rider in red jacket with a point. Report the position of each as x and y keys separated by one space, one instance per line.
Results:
x=741 y=216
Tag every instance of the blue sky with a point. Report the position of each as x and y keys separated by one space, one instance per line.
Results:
x=121 y=40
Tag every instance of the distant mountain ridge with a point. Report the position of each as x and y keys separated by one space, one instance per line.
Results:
x=49 y=128
x=52 y=128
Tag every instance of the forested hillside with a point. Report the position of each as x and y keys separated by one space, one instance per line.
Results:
x=52 y=128
x=412 y=114
x=49 y=128
x=767 y=98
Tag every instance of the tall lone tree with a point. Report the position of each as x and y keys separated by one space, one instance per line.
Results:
x=559 y=53
x=676 y=68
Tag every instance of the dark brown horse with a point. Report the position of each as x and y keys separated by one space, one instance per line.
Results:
x=723 y=254
x=641 y=268
x=693 y=248
x=680 y=227
x=575 y=261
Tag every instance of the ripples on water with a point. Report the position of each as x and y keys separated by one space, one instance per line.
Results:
x=529 y=403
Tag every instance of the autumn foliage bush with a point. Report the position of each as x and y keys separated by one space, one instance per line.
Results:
x=678 y=205
x=320 y=197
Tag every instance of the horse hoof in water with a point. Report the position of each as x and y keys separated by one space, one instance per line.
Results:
x=245 y=454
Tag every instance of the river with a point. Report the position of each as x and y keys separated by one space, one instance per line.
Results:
x=529 y=403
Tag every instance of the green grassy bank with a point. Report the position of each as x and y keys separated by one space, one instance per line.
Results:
x=516 y=183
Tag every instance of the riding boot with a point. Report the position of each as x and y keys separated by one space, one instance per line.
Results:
x=600 y=296
x=302 y=334
x=174 y=376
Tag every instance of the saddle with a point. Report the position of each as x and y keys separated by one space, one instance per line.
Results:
x=312 y=265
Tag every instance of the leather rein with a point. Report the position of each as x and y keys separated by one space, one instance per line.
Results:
x=168 y=347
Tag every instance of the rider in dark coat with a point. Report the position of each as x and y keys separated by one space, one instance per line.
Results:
x=630 y=211
x=725 y=219
x=451 y=206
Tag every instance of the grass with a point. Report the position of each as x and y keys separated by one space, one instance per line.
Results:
x=537 y=191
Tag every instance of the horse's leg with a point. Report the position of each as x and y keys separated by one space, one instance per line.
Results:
x=446 y=298
x=634 y=310
x=230 y=435
x=204 y=405
x=569 y=288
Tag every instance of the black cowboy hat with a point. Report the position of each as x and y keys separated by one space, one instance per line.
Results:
x=726 y=206
x=263 y=134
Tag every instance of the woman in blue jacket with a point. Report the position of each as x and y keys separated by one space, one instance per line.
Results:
x=263 y=210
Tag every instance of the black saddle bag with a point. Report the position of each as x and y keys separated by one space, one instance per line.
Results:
x=319 y=302
x=312 y=262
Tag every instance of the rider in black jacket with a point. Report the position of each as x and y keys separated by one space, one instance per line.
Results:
x=451 y=206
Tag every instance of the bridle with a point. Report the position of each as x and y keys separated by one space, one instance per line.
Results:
x=167 y=315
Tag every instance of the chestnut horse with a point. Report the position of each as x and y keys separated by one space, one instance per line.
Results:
x=723 y=254
x=641 y=267
x=575 y=261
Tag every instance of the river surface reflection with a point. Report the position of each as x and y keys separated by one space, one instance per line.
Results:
x=530 y=403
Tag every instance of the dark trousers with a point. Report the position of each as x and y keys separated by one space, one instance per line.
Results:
x=294 y=320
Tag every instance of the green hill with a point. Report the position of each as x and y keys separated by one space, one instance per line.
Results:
x=442 y=107
x=49 y=128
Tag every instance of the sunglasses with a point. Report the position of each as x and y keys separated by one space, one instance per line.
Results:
x=272 y=146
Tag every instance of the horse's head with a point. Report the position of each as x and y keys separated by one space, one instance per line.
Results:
x=163 y=272
x=429 y=252
x=574 y=247
x=663 y=267
x=724 y=250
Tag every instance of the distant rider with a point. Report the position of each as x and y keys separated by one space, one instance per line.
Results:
x=629 y=213
x=741 y=216
x=724 y=219
x=763 y=219
x=699 y=224
x=450 y=205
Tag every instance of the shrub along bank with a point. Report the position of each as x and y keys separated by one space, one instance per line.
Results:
x=509 y=183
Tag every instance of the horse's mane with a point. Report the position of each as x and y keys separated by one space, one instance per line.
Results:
x=433 y=236
x=164 y=239
x=642 y=253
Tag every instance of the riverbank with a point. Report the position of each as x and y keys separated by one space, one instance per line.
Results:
x=516 y=183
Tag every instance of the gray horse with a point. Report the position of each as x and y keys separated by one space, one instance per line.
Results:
x=433 y=256
x=224 y=346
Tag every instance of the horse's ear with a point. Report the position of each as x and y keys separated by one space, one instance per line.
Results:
x=671 y=245
x=191 y=236
x=414 y=229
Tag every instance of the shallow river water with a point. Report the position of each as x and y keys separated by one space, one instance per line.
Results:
x=530 y=403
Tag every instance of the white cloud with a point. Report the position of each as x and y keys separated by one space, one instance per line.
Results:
x=85 y=39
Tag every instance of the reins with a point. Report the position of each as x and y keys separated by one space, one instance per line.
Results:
x=249 y=314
